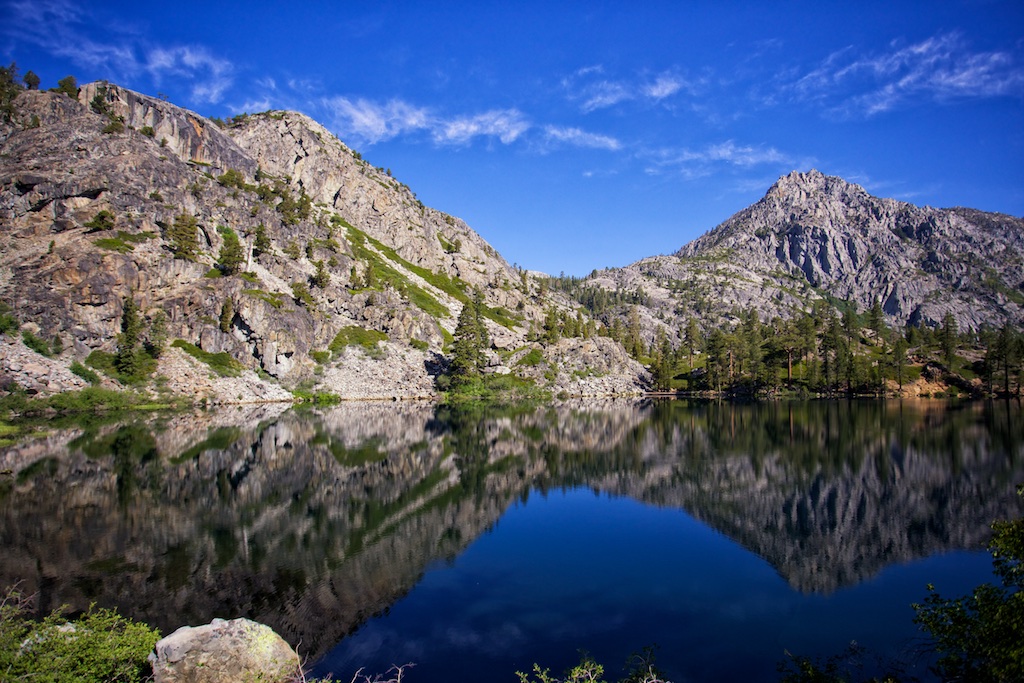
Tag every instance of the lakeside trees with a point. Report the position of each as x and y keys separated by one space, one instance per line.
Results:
x=830 y=349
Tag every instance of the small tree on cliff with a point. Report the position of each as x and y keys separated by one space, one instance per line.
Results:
x=127 y=359
x=182 y=236
x=470 y=341
x=232 y=253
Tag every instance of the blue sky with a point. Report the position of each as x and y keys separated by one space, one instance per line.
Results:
x=579 y=135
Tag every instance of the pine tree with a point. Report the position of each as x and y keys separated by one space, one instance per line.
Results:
x=466 y=349
x=227 y=314
x=261 y=242
x=321 y=278
x=127 y=361
x=182 y=236
x=948 y=340
x=232 y=253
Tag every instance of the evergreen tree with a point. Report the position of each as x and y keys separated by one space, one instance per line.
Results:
x=157 y=334
x=126 y=360
x=691 y=338
x=948 y=336
x=876 y=319
x=321 y=278
x=69 y=86
x=899 y=358
x=261 y=242
x=227 y=314
x=232 y=253
x=183 y=235
x=470 y=340
x=31 y=80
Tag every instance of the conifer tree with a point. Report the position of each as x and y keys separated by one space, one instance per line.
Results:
x=232 y=253
x=126 y=361
x=182 y=235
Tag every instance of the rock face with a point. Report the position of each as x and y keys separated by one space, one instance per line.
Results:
x=814 y=236
x=224 y=652
x=93 y=194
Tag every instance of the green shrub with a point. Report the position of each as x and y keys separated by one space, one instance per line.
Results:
x=8 y=322
x=321 y=357
x=419 y=344
x=35 y=343
x=222 y=363
x=300 y=292
x=104 y=220
x=84 y=372
x=533 y=358
x=99 y=647
x=148 y=131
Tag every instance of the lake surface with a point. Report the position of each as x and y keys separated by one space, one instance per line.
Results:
x=475 y=543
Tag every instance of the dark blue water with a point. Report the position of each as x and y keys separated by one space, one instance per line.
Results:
x=477 y=542
x=578 y=570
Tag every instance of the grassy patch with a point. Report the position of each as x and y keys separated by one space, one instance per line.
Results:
x=498 y=389
x=124 y=242
x=385 y=274
x=357 y=336
x=222 y=363
x=275 y=299
x=453 y=287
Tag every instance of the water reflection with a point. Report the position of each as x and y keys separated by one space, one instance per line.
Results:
x=312 y=521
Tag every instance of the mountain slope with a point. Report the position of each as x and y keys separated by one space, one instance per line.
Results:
x=95 y=195
x=819 y=237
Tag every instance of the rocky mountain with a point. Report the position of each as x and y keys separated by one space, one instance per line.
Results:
x=345 y=282
x=814 y=237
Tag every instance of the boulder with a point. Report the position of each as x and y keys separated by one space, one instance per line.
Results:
x=222 y=651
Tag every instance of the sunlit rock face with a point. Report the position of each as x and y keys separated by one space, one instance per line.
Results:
x=313 y=521
x=359 y=246
x=813 y=236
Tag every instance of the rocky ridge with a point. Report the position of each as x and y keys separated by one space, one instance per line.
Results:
x=392 y=265
x=814 y=237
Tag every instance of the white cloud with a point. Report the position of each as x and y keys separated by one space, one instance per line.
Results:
x=601 y=94
x=366 y=121
x=940 y=68
x=604 y=94
x=210 y=76
x=372 y=122
x=505 y=124
x=580 y=138
x=663 y=87
x=700 y=162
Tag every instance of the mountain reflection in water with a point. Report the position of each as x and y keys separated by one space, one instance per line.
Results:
x=312 y=521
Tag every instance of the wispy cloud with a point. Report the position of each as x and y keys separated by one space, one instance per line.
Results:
x=580 y=138
x=592 y=90
x=703 y=161
x=366 y=121
x=56 y=27
x=372 y=122
x=941 y=68
x=62 y=29
x=209 y=75
x=505 y=124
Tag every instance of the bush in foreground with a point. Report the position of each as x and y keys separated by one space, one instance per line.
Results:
x=98 y=647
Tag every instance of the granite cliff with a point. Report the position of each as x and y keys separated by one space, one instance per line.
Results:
x=814 y=237
x=345 y=282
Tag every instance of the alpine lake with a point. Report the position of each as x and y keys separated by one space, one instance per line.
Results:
x=475 y=542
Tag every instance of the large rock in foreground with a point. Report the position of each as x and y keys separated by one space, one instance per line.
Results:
x=224 y=652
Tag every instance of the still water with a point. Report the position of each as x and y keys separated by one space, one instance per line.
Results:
x=475 y=543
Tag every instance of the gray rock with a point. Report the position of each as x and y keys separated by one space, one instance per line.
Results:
x=224 y=652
